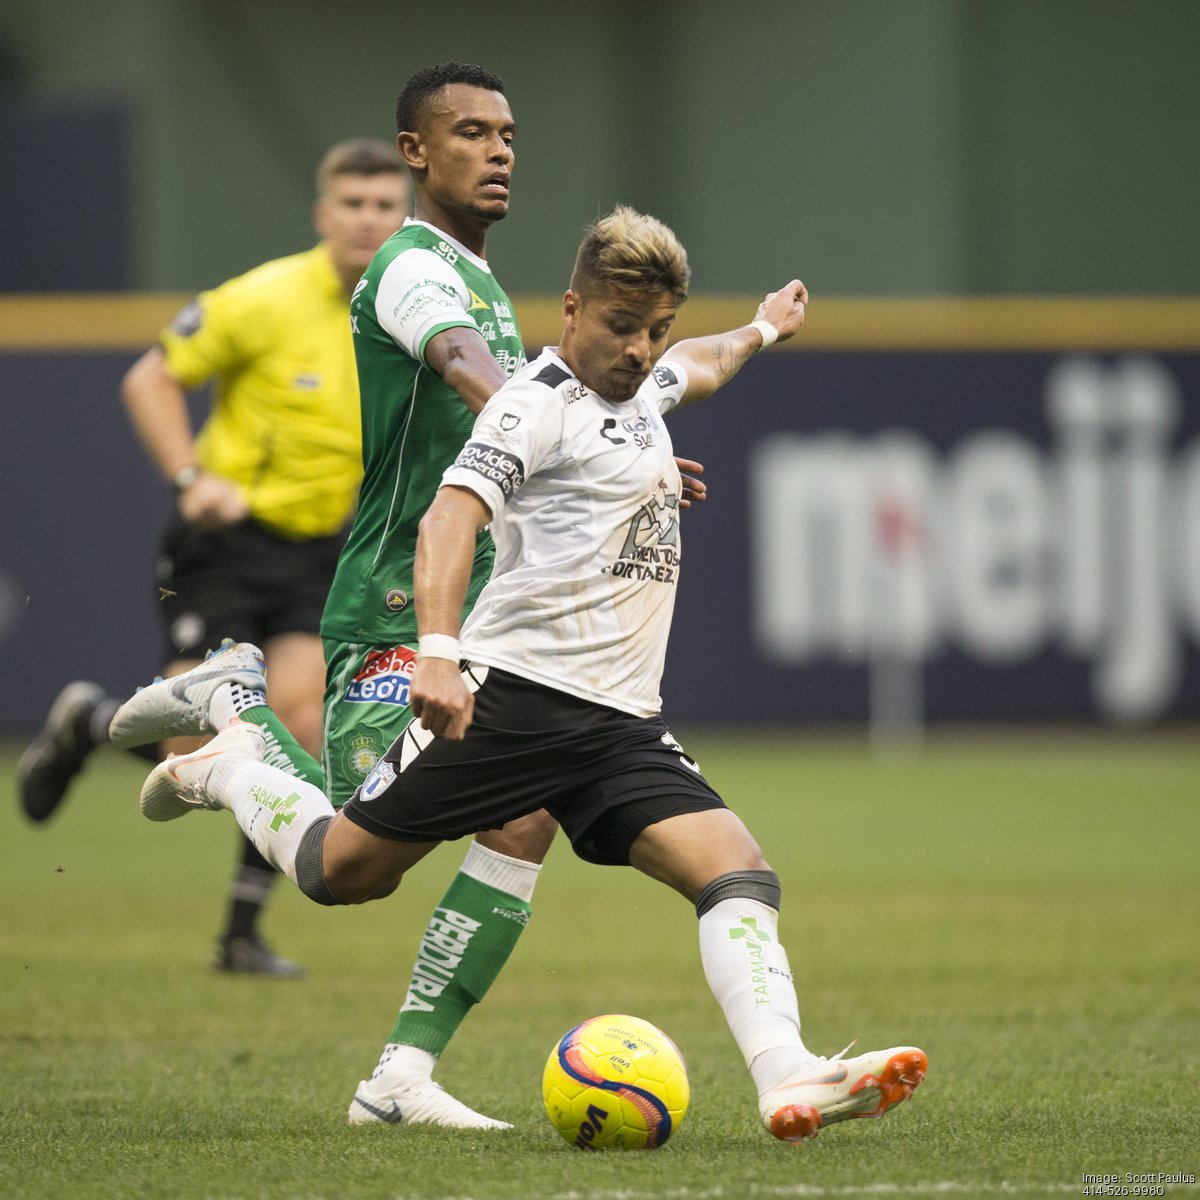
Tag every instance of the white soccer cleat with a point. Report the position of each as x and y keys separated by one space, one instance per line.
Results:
x=840 y=1089
x=420 y=1103
x=179 y=705
x=180 y=785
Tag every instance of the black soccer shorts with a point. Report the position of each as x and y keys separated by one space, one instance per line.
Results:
x=604 y=775
x=243 y=582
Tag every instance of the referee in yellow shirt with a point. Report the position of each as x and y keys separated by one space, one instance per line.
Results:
x=264 y=491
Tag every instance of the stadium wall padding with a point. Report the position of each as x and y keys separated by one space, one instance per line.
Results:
x=933 y=510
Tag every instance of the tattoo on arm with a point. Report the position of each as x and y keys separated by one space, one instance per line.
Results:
x=727 y=360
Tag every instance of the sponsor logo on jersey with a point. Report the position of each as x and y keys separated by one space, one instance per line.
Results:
x=572 y=391
x=640 y=431
x=508 y=362
x=385 y=678
x=442 y=948
x=487 y=331
x=188 y=319
x=307 y=383
x=396 y=600
x=606 y=432
x=665 y=377
x=651 y=550
x=377 y=782
x=358 y=287
x=505 y=470
x=447 y=252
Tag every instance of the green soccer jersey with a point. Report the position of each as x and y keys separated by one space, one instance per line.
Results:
x=413 y=424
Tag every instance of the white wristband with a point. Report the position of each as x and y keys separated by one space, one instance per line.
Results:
x=439 y=645
x=770 y=335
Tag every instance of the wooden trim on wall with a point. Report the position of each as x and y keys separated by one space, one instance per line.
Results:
x=42 y=323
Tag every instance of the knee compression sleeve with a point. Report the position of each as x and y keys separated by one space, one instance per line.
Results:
x=310 y=876
x=762 y=886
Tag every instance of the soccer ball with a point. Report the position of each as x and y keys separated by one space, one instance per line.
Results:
x=615 y=1083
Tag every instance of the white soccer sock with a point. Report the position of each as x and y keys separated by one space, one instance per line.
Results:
x=274 y=809
x=747 y=970
x=400 y=1064
x=230 y=700
x=515 y=876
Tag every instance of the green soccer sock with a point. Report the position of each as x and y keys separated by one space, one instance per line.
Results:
x=283 y=751
x=232 y=700
x=466 y=943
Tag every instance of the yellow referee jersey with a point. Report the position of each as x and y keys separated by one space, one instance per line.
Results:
x=285 y=421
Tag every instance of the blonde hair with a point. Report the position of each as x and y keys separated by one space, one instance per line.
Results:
x=358 y=156
x=634 y=252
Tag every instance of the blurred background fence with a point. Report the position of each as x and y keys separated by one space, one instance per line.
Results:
x=971 y=492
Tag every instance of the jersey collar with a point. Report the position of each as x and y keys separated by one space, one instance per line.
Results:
x=481 y=263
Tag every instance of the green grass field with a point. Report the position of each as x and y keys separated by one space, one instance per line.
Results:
x=1026 y=908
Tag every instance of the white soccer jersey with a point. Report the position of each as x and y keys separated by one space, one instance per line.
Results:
x=584 y=495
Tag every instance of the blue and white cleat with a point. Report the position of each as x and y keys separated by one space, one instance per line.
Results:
x=179 y=705
x=420 y=1103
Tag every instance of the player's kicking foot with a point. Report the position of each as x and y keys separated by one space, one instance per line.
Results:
x=180 y=785
x=179 y=705
x=841 y=1089
x=421 y=1103
x=58 y=752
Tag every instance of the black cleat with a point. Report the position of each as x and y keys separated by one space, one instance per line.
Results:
x=58 y=752
x=252 y=956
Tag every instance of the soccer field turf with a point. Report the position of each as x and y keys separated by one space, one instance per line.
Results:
x=1026 y=908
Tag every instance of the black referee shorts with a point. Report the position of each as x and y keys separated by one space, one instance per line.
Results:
x=243 y=582
x=604 y=775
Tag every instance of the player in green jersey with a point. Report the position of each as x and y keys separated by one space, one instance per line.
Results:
x=435 y=336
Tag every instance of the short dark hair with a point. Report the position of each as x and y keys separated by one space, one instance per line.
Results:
x=358 y=156
x=422 y=84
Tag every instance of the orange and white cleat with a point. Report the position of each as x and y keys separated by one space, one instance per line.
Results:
x=840 y=1089
x=179 y=785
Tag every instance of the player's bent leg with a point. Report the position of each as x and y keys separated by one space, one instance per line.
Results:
x=470 y=936
x=711 y=858
x=358 y=865
x=290 y=821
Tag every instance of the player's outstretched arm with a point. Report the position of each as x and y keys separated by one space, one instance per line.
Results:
x=462 y=358
x=441 y=576
x=713 y=361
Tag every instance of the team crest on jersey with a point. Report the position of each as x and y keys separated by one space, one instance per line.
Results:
x=363 y=754
x=384 y=679
x=509 y=421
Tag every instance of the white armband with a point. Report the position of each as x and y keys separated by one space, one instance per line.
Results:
x=439 y=645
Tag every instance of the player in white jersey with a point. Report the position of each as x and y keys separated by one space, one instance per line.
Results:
x=549 y=700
